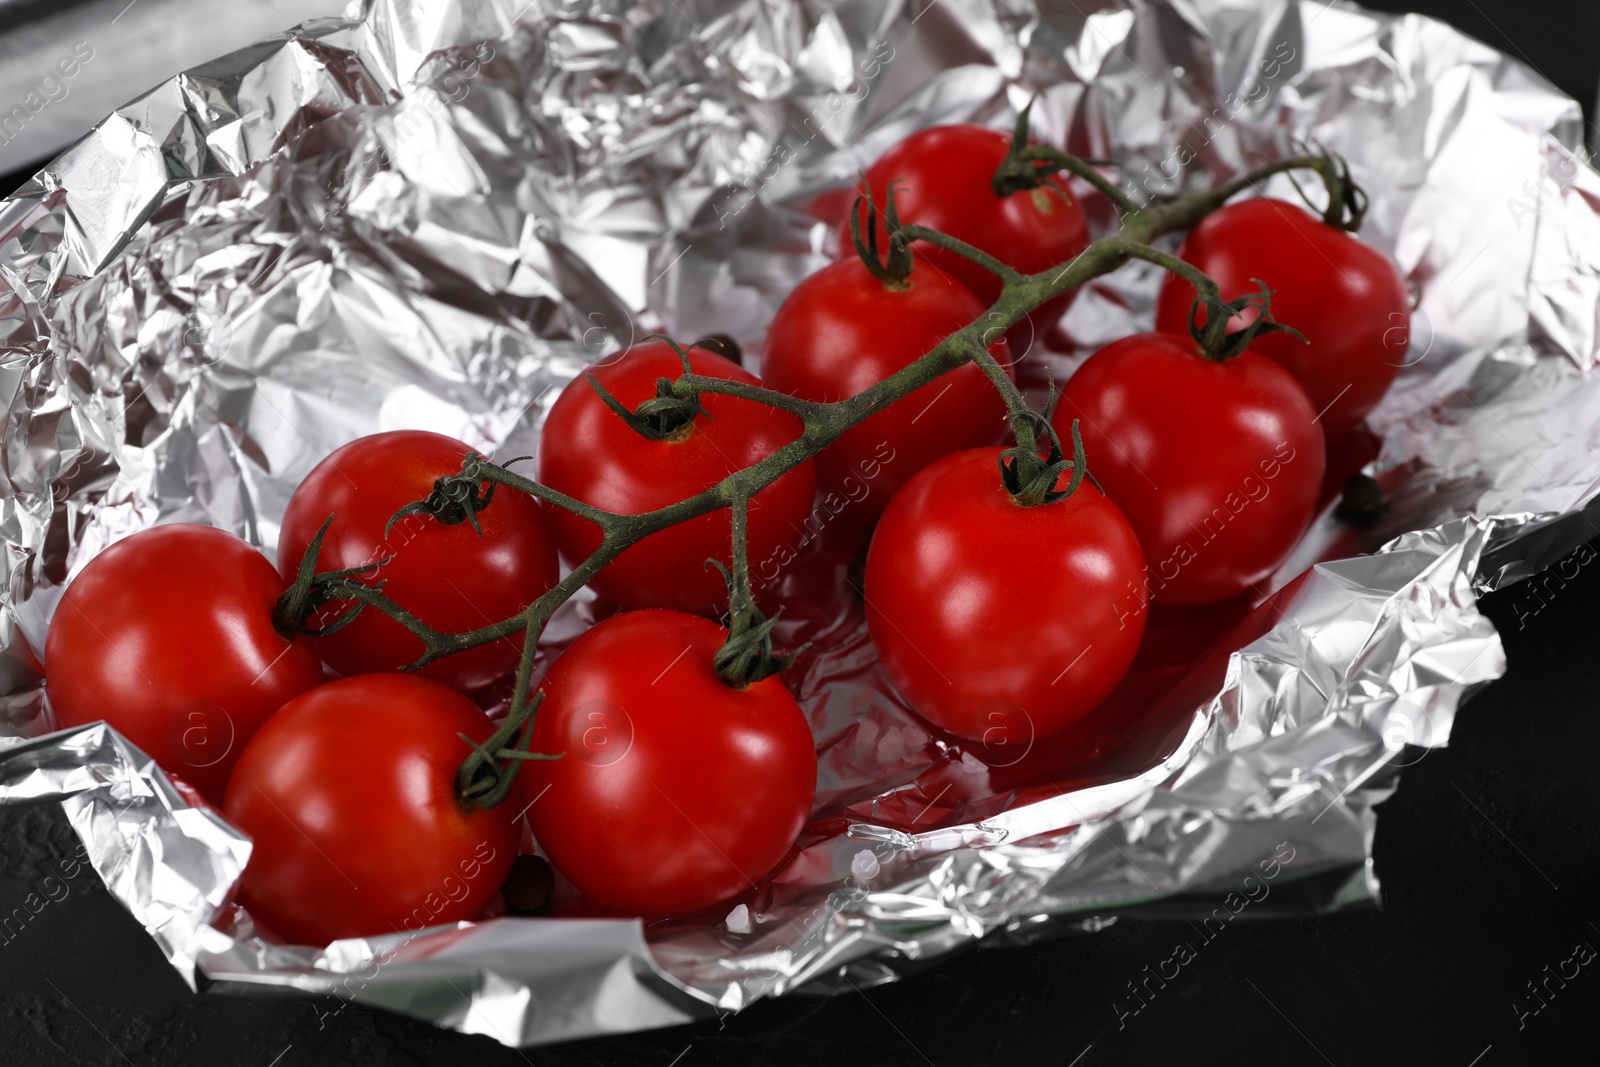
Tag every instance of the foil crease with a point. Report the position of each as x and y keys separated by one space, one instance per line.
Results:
x=435 y=214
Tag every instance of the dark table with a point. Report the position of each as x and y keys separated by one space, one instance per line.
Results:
x=1488 y=853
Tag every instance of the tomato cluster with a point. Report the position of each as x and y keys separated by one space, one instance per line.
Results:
x=334 y=706
x=348 y=787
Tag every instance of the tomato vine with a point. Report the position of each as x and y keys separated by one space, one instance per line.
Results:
x=748 y=655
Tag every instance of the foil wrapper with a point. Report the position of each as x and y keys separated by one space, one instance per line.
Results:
x=432 y=214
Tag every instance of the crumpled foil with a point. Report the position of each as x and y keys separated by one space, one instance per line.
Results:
x=434 y=214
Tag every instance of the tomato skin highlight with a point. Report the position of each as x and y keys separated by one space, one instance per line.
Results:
x=168 y=636
x=1000 y=623
x=1217 y=466
x=348 y=795
x=586 y=451
x=1344 y=295
x=945 y=182
x=675 y=792
x=842 y=331
x=450 y=577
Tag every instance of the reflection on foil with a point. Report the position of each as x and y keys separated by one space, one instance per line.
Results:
x=434 y=215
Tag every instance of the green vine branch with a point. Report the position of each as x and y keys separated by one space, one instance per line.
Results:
x=747 y=656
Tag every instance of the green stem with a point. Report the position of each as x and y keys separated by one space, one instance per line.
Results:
x=1042 y=158
x=771 y=397
x=1027 y=166
x=487 y=471
x=1022 y=464
x=983 y=259
x=1207 y=294
x=486 y=776
x=746 y=657
x=1193 y=275
x=741 y=601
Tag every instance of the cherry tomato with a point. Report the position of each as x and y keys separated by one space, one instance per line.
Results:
x=588 y=452
x=945 y=182
x=1001 y=623
x=841 y=331
x=1216 y=465
x=348 y=795
x=449 y=576
x=1345 y=296
x=168 y=636
x=676 y=791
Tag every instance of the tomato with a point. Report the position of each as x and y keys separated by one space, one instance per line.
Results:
x=841 y=331
x=588 y=452
x=1216 y=464
x=168 y=636
x=1001 y=623
x=676 y=791
x=348 y=795
x=1345 y=296
x=449 y=576
x=945 y=182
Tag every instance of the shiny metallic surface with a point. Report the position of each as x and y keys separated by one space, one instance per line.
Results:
x=429 y=214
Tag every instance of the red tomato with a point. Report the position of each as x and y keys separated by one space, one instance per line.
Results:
x=168 y=636
x=1345 y=296
x=449 y=576
x=675 y=791
x=997 y=622
x=841 y=331
x=945 y=182
x=588 y=452
x=1216 y=465
x=348 y=794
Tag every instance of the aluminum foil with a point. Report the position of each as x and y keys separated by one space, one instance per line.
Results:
x=434 y=214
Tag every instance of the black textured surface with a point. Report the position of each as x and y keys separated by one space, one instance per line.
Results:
x=1489 y=854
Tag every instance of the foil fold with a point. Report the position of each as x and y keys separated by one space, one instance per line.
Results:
x=431 y=214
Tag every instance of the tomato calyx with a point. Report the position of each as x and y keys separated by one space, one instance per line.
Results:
x=486 y=776
x=1347 y=201
x=309 y=593
x=665 y=416
x=1030 y=166
x=1212 y=336
x=669 y=414
x=1031 y=478
x=747 y=656
x=893 y=267
x=456 y=498
x=1021 y=171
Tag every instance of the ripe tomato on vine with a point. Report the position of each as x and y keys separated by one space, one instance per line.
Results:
x=854 y=323
x=617 y=439
x=362 y=820
x=1212 y=451
x=1344 y=296
x=169 y=636
x=677 y=790
x=944 y=177
x=995 y=591
x=455 y=570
